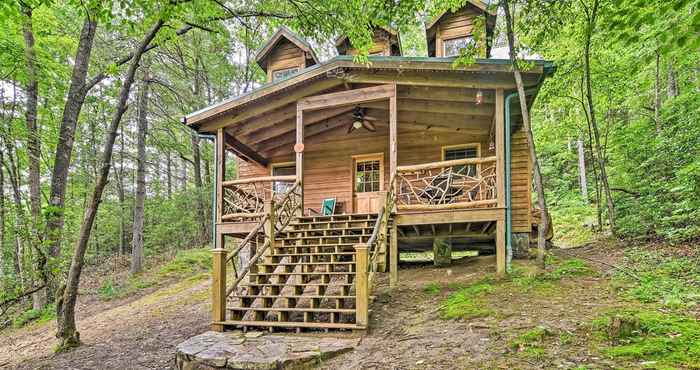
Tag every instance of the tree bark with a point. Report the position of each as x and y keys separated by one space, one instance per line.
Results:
x=591 y=113
x=197 y=166
x=657 y=93
x=582 y=169
x=137 y=255
x=672 y=83
x=54 y=217
x=121 y=196
x=2 y=214
x=67 y=331
x=39 y=298
x=539 y=186
x=169 y=173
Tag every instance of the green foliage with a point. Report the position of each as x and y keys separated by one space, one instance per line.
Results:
x=432 y=288
x=467 y=303
x=668 y=280
x=107 y=290
x=668 y=339
x=187 y=262
x=46 y=314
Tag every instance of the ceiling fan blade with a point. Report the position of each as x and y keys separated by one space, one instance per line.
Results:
x=370 y=118
x=369 y=125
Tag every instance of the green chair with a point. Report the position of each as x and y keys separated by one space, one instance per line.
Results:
x=327 y=208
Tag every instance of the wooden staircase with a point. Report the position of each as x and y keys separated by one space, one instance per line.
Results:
x=306 y=279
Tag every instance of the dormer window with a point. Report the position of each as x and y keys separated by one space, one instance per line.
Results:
x=282 y=74
x=453 y=47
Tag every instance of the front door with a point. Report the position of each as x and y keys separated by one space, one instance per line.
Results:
x=368 y=171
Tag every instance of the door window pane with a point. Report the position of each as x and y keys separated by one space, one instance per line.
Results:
x=367 y=176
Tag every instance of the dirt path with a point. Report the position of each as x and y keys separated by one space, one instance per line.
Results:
x=138 y=333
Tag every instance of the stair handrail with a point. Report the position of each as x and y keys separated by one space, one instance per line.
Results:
x=380 y=231
x=289 y=201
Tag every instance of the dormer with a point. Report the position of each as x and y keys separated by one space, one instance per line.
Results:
x=386 y=43
x=284 y=55
x=451 y=31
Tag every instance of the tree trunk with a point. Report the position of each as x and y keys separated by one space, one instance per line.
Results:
x=33 y=149
x=539 y=186
x=582 y=169
x=137 y=255
x=2 y=215
x=672 y=84
x=197 y=166
x=657 y=93
x=66 y=331
x=591 y=113
x=169 y=173
x=64 y=148
x=121 y=196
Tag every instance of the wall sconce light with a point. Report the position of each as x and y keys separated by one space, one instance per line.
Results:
x=479 y=97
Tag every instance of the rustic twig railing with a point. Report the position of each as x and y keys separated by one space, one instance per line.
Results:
x=370 y=256
x=279 y=214
x=244 y=200
x=461 y=183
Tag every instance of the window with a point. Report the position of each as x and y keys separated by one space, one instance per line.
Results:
x=283 y=73
x=462 y=152
x=452 y=47
x=367 y=176
x=283 y=170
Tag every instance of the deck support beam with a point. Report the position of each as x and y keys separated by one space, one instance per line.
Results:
x=299 y=154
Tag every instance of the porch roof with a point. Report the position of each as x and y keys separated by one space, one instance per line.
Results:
x=333 y=69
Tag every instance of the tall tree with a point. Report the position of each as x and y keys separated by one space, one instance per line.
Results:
x=67 y=331
x=137 y=256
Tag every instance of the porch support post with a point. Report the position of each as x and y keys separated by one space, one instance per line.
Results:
x=500 y=182
x=220 y=172
x=218 y=289
x=299 y=150
x=393 y=143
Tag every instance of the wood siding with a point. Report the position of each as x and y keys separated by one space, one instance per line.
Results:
x=521 y=168
x=382 y=45
x=285 y=55
x=451 y=26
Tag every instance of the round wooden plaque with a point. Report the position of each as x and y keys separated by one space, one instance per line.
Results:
x=298 y=147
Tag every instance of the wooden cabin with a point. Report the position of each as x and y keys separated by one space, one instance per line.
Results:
x=385 y=40
x=341 y=166
x=450 y=31
x=284 y=55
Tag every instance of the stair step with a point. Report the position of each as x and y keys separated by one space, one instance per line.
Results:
x=291 y=324
x=294 y=309
x=298 y=296
x=307 y=263
x=352 y=228
x=327 y=236
x=299 y=273
x=304 y=285
x=313 y=254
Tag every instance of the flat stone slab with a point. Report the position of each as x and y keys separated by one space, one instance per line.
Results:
x=257 y=351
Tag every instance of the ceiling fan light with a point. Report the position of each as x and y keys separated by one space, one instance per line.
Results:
x=479 y=97
x=357 y=124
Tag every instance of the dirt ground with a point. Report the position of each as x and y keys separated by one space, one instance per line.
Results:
x=407 y=331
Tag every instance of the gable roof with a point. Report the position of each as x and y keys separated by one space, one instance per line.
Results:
x=320 y=71
x=476 y=3
x=283 y=32
x=344 y=38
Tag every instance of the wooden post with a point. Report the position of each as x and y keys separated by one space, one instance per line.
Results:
x=392 y=135
x=361 y=286
x=220 y=172
x=394 y=257
x=299 y=150
x=500 y=247
x=218 y=289
x=270 y=227
x=500 y=183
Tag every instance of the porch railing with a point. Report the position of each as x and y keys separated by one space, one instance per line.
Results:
x=244 y=200
x=461 y=183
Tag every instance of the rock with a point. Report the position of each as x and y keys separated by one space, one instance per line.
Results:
x=255 y=351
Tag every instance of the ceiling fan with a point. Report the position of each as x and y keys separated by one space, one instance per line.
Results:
x=360 y=119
